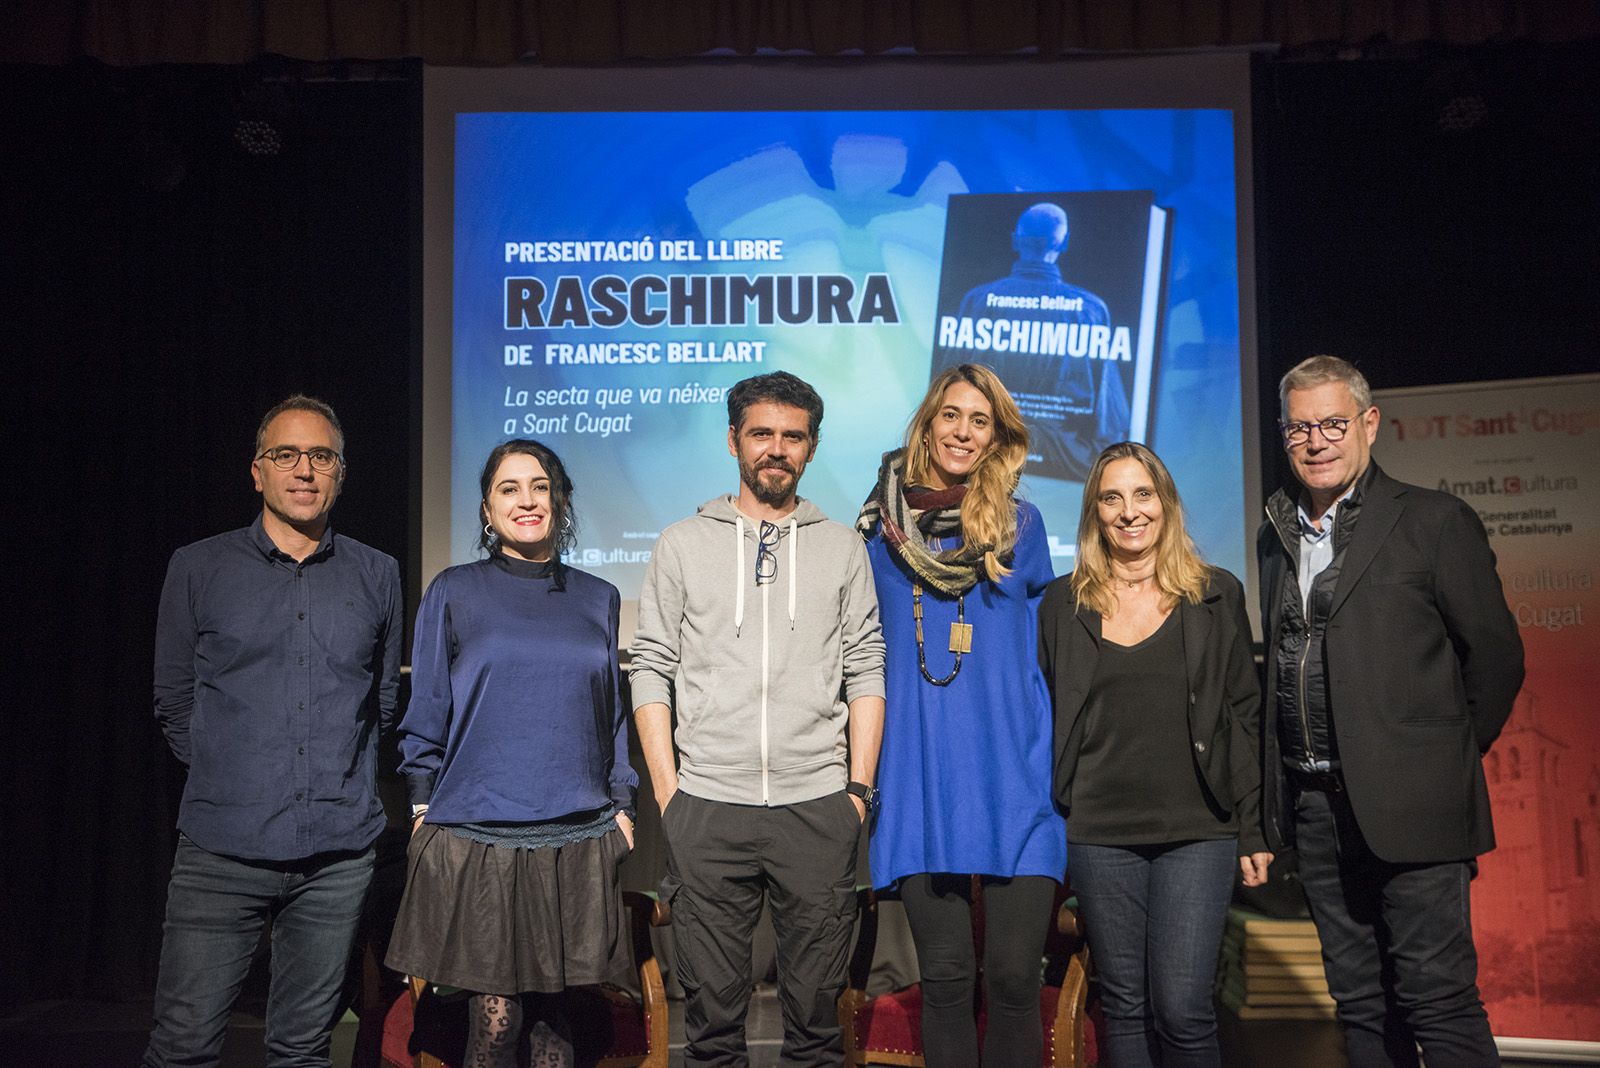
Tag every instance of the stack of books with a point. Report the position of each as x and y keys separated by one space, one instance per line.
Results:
x=1272 y=969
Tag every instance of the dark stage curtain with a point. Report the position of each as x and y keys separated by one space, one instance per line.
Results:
x=1432 y=220
x=162 y=289
x=598 y=31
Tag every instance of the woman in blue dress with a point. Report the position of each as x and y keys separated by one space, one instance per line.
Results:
x=964 y=777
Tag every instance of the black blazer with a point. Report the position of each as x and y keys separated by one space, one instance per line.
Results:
x=1224 y=697
x=1423 y=662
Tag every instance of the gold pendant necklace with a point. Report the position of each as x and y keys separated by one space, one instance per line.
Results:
x=960 y=636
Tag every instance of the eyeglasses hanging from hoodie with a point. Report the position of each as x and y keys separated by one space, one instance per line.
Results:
x=767 y=553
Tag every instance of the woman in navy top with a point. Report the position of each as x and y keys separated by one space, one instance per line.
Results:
x=514 y=748
x=1147 y=652
x=964 y=776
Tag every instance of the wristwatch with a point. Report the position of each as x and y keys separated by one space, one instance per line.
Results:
x=869 y=796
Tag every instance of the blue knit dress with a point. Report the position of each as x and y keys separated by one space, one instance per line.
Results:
x=965 y=768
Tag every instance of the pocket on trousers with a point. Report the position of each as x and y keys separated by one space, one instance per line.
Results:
x=670 y=884
x=856 y=822
x=674 y=805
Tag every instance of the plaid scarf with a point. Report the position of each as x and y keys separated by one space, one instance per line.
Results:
x=890 y=506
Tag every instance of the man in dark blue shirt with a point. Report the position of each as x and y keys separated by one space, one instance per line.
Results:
x=277 y=662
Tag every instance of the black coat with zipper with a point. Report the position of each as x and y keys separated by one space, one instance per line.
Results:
x=1422 y=661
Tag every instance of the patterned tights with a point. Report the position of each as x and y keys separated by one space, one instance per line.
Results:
x=495 y=1026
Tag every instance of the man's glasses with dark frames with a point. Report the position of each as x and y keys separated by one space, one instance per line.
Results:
x=1332 y=428
x=287 y=458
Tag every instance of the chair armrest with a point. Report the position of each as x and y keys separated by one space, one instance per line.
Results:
x=1069 y=925
x=647 y=911
x=1071 y=1020
x=658 y=912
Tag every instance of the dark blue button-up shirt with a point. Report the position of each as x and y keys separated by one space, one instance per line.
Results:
x=272 y=679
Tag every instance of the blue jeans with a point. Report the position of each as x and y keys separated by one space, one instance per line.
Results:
x=1154 y=916
x=1396 y=944
x=216 y=906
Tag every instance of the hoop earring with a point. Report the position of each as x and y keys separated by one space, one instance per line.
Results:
x=488 y=531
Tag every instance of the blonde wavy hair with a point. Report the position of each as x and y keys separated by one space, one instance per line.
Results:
x=1180 y=572
x=988 y=512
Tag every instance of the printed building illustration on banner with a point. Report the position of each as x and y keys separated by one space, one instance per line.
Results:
x=1061 y=294
x=1537 y=897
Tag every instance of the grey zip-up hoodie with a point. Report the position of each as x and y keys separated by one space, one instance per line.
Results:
x=760 y=675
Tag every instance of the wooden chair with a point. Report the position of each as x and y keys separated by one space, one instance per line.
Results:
x=612 y=1029
x=887 y=1029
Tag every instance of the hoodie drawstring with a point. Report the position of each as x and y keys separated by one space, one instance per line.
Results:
x=794 y=539
x=738 y=575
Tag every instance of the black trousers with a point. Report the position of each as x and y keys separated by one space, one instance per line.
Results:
x=1396 y=944
x=721 y=860
x=1016 y=917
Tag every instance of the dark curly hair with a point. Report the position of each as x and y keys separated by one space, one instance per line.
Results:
x=779 y=387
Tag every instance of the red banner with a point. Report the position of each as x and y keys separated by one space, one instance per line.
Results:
x=1526 y=456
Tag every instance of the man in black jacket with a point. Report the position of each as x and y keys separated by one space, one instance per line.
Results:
x=1392 y=662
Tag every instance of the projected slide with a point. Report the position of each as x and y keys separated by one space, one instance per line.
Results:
x=614 y=273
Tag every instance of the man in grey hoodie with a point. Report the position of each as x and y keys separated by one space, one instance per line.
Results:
x=758 y=624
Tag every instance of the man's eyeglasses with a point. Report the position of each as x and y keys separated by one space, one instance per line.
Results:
x=767 y=553
x=1298 y=433
x=287 y=458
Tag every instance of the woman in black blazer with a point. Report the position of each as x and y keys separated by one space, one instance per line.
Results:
x=1146 y=649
